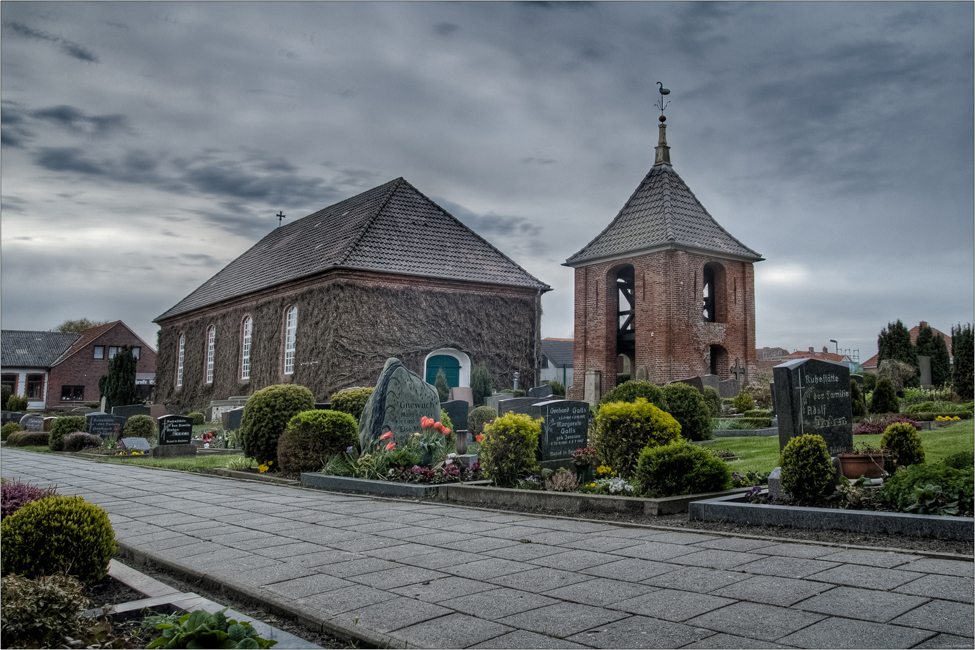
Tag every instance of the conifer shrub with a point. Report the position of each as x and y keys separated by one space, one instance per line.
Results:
x=743 y=402
x=482 y=385
x=904 y=442
x=686 y=404
x=80 y=440
x=312 y=438
x=858 y=406
x=558 y=388
x=807 y=469
x=5 y=393
x=266 y=416
x=884 y=399
x=14 y=495
x=446 y=421
x=351 y=401
x=508 y=448
x=440 y=383
x=62 y=427
x=198 y=418
x=16 y=403
x=39 y=612
x=630 y=391
x=477 y=418
x=7 y=429
x=29 y=439
x=679 y=468
x=140 y=426
x=59 y=533
x=624 y=428
x=713 y=399
x=869 y=382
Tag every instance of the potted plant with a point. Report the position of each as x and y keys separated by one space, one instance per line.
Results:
x=863 y=460
x=583 y=460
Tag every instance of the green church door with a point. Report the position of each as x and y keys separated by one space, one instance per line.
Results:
x=450 y=367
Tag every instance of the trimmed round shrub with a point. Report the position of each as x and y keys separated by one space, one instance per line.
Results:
x=477 y=418
x=7 y=429
x=743 y=402
x=312 y=437
x=198 y=418
x=686 y=404
x=80 y=440
x=40 y=612
x=14 y=495
x=140 y=426
x=508 y=448
x=859 y=406
x=266 y=416
x=884 y=399
x=623 y=429
x=713 y=399
x=62 y=427
x=58 y=534
x=629 y=391
x=807 y=469
x=29 y=439
x=15 y=403
x=905 y=443
x=679 y=468
x=351 y=401
x=961 y=460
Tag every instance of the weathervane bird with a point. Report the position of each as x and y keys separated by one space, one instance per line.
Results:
x=660 y=103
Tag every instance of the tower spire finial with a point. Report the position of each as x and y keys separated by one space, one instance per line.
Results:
x=662 y=150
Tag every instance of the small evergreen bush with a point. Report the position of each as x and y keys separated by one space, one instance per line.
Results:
x=807 y=469
x=198 y=418
x=884 y=399
x=62 y=427
x=482 y=385
x=869 y=382
x=446 y=421
x=477 y=418
x=5 y=393
x=508 y=448
x=266 y=416
x=922 y=407
x=80 y=440
x=900 y=489
x=743 y=402
x=440 y=383
x=713 y=399
x=558 y=388
x=59 y=533
x=140 y=426
x=312 y=437
x=623 y=429
x=630 y=391
x=7 y=429
x=14 y=495
x=16 y=403
x=858 y=406
x=29 y=439
x=679 y=468
x=686 y=404
x=760 y=413
x=40 y=612
x=961 y=460
x=905 y=443
x=351 y=401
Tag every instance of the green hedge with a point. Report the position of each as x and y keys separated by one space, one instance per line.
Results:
x=928 y=417
x=757 y=414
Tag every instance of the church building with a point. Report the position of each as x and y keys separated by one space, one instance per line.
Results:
x=323 y=302
x=666 y=287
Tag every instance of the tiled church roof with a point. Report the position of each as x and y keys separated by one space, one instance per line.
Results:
x=392 y=228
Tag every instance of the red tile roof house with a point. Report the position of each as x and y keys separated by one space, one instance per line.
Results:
x=872 y=363
x=61 y=371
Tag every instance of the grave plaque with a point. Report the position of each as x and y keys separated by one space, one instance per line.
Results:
x=103 y=424
x=924 y=367
x=130 y=410
x=49 y=422
x=32 y=423
x=565 y=427
x=813 y=397
x=175 y=430
x=521 y=405
x=728 y=388
x=323 y=406
x=231 y=419
x=400 y=400
x=540 y=391
x=457 y=412
x=136 y=444
x=493 y=400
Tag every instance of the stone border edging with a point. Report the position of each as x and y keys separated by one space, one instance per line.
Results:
x=730 y=508
x=746 y=433
x=249 y=476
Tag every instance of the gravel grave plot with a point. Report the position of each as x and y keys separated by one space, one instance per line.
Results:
x=109 y=591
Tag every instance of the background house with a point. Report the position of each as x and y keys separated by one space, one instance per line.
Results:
x=557 y=358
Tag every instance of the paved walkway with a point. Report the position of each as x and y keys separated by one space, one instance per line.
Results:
x=428 y=575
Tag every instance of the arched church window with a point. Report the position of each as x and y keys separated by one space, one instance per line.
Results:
x=179 y=360
x=211 y=345
x=290 y=335
x=245 y=349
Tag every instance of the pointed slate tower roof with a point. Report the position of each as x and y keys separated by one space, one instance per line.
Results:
x=392 y=228
x=662 y=213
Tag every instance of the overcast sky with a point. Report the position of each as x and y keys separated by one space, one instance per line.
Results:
x=146 y=145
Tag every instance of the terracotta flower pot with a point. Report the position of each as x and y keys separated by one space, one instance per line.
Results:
x=856 y=465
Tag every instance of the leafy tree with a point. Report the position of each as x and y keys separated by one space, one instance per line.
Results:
x=118 y=386
x=894 y=342
x=481 y=383
x=443 y=388
x=963 y=347
x=78 y=326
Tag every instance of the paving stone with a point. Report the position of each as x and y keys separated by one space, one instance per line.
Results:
x=262 y=543
x=374 y=527
x=786 y=567
x=714 y=559
x=640 y=632
x=498 y=603
x=808 y=552
x=600 y=592
x=598 y=543
x=441 y=559
x=234 y=568
x=270 y=574
x=632 y=533
x=655 y=551
x=773 y=590
x=672 y=605
x=488 y=568
x=728 y=641
x=940 y=586
x=570 y=525
x=280 y=551
x=308 y=586
x=398 y=552
x=562 y=619
x=857 y=575
x=320 y=558
x=683 y=538
x=574 y=560
x=940 y=616
x=452 y=631
x=482 y=544
x=630 y=569
x=696 y=579
x=947 y=641
x=863 y=604
x=320 y=534
x=471 y=527
x=946 y=567
x=363 y=543
x=735 y=544
x=885 y=559
x=756 y=621
x=524 y=552
x=344 y=600
x=399 y=576
x=526 y=639
x=539 y=580
x=514 y=532
x=444 y=589
x=846 y=633
x=392 y=614
x=556 y=537
x=431 y=538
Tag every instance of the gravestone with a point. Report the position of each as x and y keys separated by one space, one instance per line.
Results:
x=136 y=444
x=728 y=388
x=217 y=407
x=522 y=405
x=592 y=387
x=462 y=392
x=701 y=381
x=565 y=427
x=859 y=380
x=323 y=406
x=813 y=397
x=924 y=366
x=103 y=424
x=175 y=430
x=495 y=399
x=401 y=399
x=31 y=423
x=7 y=417
x=540 y=391
x=156 y=411
x=133 y=409
x=232 y=418
x=771 y=389
x=642 y=374
x=49 y=422
x=457 y=411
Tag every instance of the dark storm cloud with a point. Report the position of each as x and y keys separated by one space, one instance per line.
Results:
x=539 y=161
x=445 y=29
x=76 y=120
x=70 y=48
x=506 y=226
x=69 y=159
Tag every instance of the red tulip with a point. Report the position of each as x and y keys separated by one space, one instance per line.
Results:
x=390 y=446
x=479 y=437
x=438 y=426
x=386 y=436
x=445 y=431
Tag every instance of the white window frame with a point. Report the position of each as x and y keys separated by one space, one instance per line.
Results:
x=99 y=352
x=245 y=349
x=211 y=340
x=290 y=335
x=112 y=351
x=179 y=362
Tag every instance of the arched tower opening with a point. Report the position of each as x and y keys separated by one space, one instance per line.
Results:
x=626 y=314
x=713 y=294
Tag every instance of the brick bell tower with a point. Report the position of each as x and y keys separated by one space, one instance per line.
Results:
x=663 y=285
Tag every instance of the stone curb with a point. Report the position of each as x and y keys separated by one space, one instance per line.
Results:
x=746 y=433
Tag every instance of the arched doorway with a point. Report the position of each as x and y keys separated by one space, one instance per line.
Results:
x=454 y=363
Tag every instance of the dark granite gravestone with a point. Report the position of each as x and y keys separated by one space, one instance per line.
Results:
x=49 y=422
x=521 y=405
x=323 y=406
x=493 y=400
x=728 y=388
x=457 y=412
x=103 y=424
x=540 y=391
x=232 y=418
x=31 y=423
x=6 y=417
x=701 y=381
x=924 y=367
x=130 y=410
x=565 y=427
x=175 y=430
x=859 y=380
x=136 y=444
x=813 y=397
x=771 y=388
x=399 y=402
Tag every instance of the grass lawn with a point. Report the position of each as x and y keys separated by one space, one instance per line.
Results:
x=762 y=454
x=189 y=463
x=41 y=449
